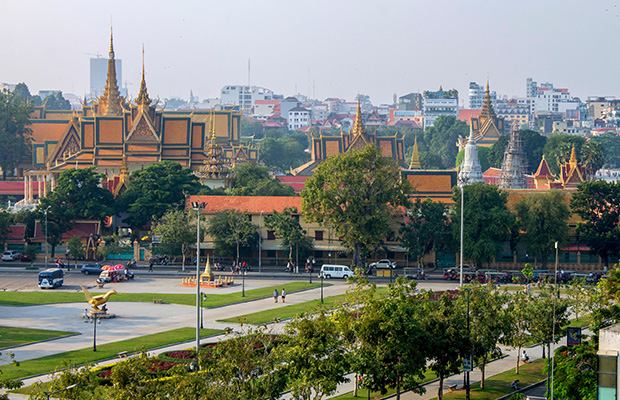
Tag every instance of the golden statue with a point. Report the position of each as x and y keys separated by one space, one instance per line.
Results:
x=96 y=301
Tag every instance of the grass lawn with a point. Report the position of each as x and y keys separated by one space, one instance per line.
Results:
x=584 y=321
x=499 y=385
x=213 y=300
x=286 y=312
x=10 y=337
x=48 y=364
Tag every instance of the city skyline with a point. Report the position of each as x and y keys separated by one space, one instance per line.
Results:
x=320 y=49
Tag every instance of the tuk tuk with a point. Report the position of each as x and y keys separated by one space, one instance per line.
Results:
x=114 y=273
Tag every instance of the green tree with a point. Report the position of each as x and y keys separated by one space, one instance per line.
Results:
x=14 y=131
x=597 y=205
x=113 y=244
x=356 y=194
x=426 y=229
x=233 y=232
x=441 y=139
x=176 y=229
x=283 y=153
x=488 y=223
x=392 y=341
x=558 y=149
x=483 y=155
x=592 y=158
x=578 y=294
x=6 y=220
x=444 y=321
x=286 y=227
x=316 y=357
x=544 y=219
x=520 y=314
x=533 y=145
x=56 y=102
x=75 y=247
x=489 y=323
x=551 y=313
x=575 y=372
x=611 y=143
x=254 y=180
x=156 y=189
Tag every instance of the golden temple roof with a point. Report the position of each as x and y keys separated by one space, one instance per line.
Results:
x=415 y=156
x=110 y=103
x=143 y=99
x=487 y=108
x=358 y=126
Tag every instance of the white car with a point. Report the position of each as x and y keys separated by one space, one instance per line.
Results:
x=10 y=255
x=383 y=264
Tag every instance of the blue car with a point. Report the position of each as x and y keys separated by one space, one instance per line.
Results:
x=88 y=269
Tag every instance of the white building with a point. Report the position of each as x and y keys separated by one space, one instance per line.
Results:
x=244 y=96
x=298 y=117
x=439 y=103
x=545 y=97
x=320 y=112
x=476 y=96
x=264 y=108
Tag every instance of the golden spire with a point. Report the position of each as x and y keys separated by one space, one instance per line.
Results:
x=487 y=107
x=573 y=158
x=415 y=156
x=441 y=88
x=143 y=96
x=124 y=172
x=110 y=102
x=212 y=125
x=358 y=126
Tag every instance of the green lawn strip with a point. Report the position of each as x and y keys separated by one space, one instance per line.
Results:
x=363 y=393
x=286 y=312
x=584 y=322
x=213 y=300
x=48 y=364
x=499 y=385
x=11 y=337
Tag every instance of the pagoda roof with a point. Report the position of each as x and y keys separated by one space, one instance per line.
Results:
x=543 y=170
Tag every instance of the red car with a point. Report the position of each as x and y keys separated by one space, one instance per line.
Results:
x=25 y=257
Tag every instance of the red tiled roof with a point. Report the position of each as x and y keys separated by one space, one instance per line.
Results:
x=267 y=102
x=296 y=182
x=465 y=114
x=543 y=170
x=16 y=233
x=249 y=204
x=81 y=229
x=492 y=172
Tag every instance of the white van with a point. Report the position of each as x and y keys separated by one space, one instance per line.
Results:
x=335 y=271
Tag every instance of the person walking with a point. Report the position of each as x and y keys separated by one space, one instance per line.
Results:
x=151 y=262
x=283 y=295
x=275 y=295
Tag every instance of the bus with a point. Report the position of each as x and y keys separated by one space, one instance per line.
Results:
x=51 y=278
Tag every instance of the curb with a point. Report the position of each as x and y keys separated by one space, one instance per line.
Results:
x=509 y=395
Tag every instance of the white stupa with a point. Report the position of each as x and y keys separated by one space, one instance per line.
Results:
x=471 y=171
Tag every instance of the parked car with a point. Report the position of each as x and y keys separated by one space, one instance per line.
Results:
x=383 y=264
x=10 y=255
x=25 y=257
x=88 y=269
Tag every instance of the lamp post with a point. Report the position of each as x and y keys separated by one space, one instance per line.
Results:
x=243 y=282
x=94 y=319
x=48 y=207
x=260 y=241
x=309 y=269
x=548 y=343
x=470 y=351
x=198 y=206
x=48 y=394
x=203 y=296
x=462 y=186
x=321 y=288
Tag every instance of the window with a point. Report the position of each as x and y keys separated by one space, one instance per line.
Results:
x=271 y=235
x=318 y=235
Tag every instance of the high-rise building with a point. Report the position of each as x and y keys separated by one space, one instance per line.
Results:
x=440 y=103
x=244 y=96
x=99 y=73
x=477 y=94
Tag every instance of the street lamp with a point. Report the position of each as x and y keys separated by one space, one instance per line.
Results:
x=203 y=297
x=321 y=288
x=94 y=319
x=198 y=206
x=48 y=207
x=242 y=281
x=48 y=394
x=260 y=241
x=462 y=186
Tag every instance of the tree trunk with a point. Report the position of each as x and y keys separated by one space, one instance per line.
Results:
x=355 y=386
x=398 y=388
x=357 y=259
x=482 y=376
x=543 y=346
x=518 y=355
x=183 y=263
x=290 y=252
x=237 y=251
x=440 y=390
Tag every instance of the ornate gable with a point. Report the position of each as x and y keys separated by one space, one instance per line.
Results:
x=68 y=145
x=358 y=143
x=142 y=129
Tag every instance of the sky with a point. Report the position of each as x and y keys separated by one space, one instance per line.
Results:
x=320 y=48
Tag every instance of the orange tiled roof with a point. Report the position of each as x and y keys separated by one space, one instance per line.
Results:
x=249 y=204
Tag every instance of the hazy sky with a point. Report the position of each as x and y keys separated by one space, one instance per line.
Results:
x=324 y=48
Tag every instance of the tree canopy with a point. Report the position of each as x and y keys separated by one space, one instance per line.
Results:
x=255 y=180
x=356 y=194
x=487 y=221
x=440 y=141
x=544 y=219
x=176 y=229
x=286 y=227
x=597 y=205
x=14 y=131
x=156 y=189
x=233 y=232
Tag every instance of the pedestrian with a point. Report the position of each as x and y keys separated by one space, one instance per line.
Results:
x=283 y=295
x=151 y=262
x=275 y=295
x=515 y=384
x=525 y=357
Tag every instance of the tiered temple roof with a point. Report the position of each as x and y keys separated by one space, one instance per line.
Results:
x=514 y=166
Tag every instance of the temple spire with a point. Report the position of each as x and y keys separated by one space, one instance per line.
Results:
x=415 y=156
x=487 y=107
x=143 y=96
x=573 y=158
x=358 y=126
x=110 y=103
x=471 y=171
